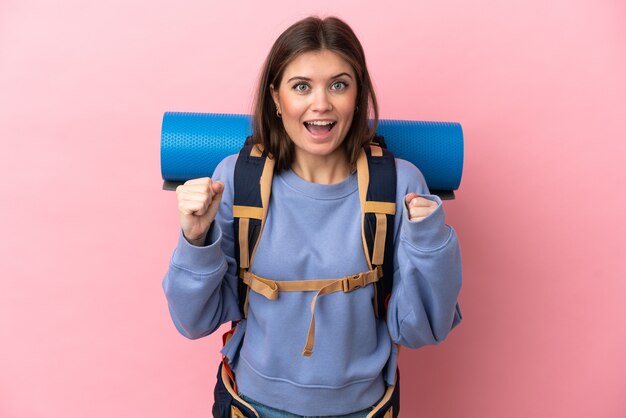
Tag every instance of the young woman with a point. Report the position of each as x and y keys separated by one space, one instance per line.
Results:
x=311 y=116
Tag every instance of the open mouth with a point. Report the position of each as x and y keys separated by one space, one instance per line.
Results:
x=319 y=127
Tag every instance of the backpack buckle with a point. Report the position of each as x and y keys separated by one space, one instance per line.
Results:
x=350 y=283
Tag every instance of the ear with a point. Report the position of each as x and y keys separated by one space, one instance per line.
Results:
x=274 y=94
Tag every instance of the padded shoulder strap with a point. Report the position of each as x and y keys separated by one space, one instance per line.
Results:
x=376 y=169
x=252 y=185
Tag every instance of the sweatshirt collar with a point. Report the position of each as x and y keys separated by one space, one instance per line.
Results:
x=320 y=191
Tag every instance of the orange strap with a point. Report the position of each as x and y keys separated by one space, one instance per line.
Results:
x=363 y=177
x=271 y=289
x=381 y=209
x=225 y=366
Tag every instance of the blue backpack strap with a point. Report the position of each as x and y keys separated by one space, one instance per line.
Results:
x=252 y=183
x=377 y=191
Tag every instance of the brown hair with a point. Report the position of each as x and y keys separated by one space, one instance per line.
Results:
x=313 y=34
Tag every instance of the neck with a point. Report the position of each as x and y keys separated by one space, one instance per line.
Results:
x=328 y=169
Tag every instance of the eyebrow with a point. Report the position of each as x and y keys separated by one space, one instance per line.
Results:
x=308 y=79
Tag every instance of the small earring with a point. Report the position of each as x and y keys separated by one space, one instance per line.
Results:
x=280 y=115
x=356 y=110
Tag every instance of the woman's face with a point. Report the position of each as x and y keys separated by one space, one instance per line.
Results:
x=317 y=99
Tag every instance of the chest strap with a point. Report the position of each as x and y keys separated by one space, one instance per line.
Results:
x=271 y=289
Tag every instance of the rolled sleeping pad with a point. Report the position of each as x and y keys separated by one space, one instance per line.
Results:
x=193 y=144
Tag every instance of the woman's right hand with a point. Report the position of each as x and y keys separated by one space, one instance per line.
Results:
x=198 y=201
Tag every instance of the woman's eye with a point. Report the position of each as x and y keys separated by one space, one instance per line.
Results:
x=338 y=85
x=300 y=87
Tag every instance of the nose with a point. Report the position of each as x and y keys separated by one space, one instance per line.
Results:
x=321 y=101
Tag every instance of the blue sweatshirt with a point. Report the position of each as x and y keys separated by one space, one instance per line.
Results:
x=313 y=231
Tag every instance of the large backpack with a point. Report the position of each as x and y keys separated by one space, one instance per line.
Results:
x=376 y=172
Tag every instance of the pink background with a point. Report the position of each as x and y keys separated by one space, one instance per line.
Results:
x=87 y=233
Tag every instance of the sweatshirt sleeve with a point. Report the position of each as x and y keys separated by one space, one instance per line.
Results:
x=200 y=284
x=423 y=306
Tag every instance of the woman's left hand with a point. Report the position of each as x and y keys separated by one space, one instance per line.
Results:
x=419 y=207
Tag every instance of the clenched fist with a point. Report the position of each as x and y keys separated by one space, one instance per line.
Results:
x=198 y=201
x=419 y=207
